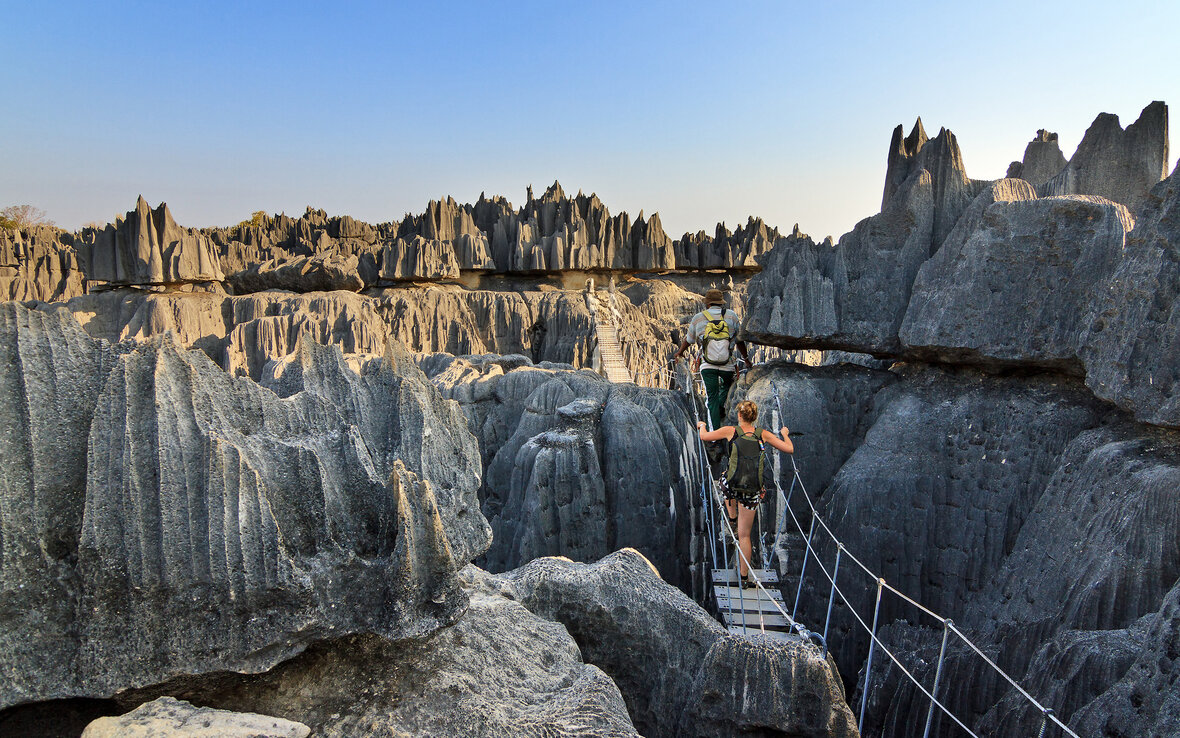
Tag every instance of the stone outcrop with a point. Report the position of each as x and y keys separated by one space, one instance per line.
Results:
x=1120 y=165
x=499 y=670
x=171 y=718
x=852 y=296
x=319 y=273
x=577 y=466
x=51 y=374
x=1042 y=160
x=738 y=250
x=1081 y=617
x=242 y=333
x=146 y=247
x=149 y=492
x=315 y=232
x=39 y=264
x=419 y=258
x=681 y=673
x=940 y=156
x=1031 y=513
x=947 y=474
x=1131 y=345
x=1061 y=250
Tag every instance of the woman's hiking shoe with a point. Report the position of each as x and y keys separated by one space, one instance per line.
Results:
x=749 y=582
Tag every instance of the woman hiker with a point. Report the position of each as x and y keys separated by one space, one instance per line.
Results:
x=747 y=463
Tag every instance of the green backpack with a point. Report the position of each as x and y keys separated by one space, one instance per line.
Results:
x=749 y=470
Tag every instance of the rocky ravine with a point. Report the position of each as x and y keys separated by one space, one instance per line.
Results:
x=1015 y=468
x=296 y=547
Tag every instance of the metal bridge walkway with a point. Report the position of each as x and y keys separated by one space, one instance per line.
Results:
x=756 y=611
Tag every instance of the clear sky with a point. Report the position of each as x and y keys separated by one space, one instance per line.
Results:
x=701 y=111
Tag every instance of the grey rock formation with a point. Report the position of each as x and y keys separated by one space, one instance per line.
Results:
x=579 y=467
x=242 y=333
x=555 y=232
x=1131 y=345
x=1061 y=250
x=319 y=273
x=851 y=297
x=724 y=250
x=681 y=673
x=899 y=164
x=147 y=248
x=225 y=526
x=1081 y=610
x=1120 y=165
x=1042 y=161
x=314 y=233
x=942 y=159
x=418 y=258
x=1144 y=701
x=499 y=670
x=51 y=374
x=39 y=264
x=171 y=718
x=942 y=484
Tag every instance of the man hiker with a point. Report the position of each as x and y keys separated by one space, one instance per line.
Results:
x=715 y=329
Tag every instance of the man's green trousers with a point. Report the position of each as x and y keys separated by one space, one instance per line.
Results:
x=717 y=384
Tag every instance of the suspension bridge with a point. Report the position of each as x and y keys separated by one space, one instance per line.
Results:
x=763 y=611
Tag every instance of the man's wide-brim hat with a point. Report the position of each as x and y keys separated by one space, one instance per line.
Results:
x=714 y=297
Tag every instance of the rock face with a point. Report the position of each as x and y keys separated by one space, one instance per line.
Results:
x=168 y=718
x=148 y=248
x=725 y=250
x=850 y=297
x=1083 y=617
x=1031 y=513
x=1061 y=249
x=418 y=258
x=39 y=264
x=577 y=466
x=499 y=670
x=320 y=273
x=946 y=475
x=282 y=237
x=681 y=673
x=51 y=374
x=1131 y=348
x=226 y=526
x=1116 y=164
x=1100 y=290
x=942 y=159
x=242 y=333
x=1042 y=161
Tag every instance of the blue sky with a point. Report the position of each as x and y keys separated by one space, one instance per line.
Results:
x=700 y=111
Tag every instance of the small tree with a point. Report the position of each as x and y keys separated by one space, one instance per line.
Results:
x=257 y=218
x=23 y=216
